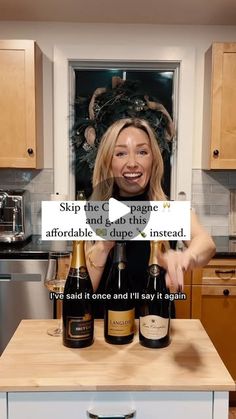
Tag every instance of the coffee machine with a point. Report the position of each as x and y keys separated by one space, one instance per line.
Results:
x=15 y=219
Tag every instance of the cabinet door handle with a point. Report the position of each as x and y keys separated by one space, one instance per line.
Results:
x=218 y=271
x=216 y=153
x=226 y=292
x=5 y=277
x=92 y=414
x=30 y=151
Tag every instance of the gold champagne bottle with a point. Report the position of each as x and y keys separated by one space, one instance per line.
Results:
x=78 y=322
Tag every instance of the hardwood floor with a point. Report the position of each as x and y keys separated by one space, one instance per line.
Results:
x=232 y=413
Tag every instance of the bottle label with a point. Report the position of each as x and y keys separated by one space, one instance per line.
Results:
x=121 y=323
x=80 y=272
x=79 y=328
x=153 y=327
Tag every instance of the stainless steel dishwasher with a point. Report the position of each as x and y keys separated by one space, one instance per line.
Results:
x=22 y=294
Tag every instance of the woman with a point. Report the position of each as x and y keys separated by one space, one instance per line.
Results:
x=129 y=166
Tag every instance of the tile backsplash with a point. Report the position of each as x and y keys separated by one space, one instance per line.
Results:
x=38 y=182
x=210 y=194
x=211 y=198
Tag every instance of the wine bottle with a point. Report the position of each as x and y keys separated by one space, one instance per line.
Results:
x=78 y=322
x=119 y=308
x=154 y=321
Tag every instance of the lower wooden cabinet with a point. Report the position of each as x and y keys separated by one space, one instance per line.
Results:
x=214 y=303
x=215 y=306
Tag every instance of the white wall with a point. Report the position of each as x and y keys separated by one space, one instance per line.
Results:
x=149 y=36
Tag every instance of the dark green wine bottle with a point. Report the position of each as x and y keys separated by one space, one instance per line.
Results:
x=119 y=308
x=78 y=322
x=154 y=321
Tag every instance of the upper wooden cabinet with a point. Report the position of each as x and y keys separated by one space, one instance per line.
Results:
x=21 y=123
x=219 y=121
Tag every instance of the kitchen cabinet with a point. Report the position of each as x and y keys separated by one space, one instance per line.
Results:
x=21 y=126
x=219 y=124
x=214 y=303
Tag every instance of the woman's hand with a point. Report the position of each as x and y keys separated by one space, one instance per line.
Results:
x=198 y=253
x=176 y=263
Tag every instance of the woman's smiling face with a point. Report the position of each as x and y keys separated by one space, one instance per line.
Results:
x=132 y=161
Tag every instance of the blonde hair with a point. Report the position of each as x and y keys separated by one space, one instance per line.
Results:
x=103 y=180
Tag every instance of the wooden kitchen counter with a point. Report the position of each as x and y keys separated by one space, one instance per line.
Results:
x=35 y=361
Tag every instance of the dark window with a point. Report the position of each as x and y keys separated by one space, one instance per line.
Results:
x=158 y=84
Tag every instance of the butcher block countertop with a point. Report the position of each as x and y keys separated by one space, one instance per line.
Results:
x=35 y=361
